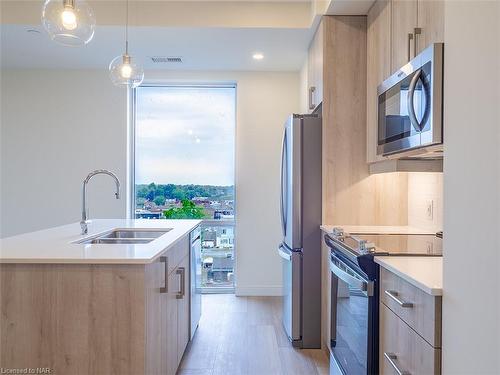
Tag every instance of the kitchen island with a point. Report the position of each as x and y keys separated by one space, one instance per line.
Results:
x=96 y=308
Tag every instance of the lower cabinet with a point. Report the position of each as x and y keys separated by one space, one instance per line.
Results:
x=402 y=350
x=167 y=311
x=79 y=319
x=410 y=328
x=183 y=322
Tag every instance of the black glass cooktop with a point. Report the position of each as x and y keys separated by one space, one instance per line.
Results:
x=395 y=244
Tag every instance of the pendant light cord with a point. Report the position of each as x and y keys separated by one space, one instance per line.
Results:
x=126 y=30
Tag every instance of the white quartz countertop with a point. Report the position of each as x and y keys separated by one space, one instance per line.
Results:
x=375 y=229
x=426 y=273
x=55 y=245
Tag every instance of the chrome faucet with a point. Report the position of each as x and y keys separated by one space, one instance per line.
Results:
x=84 y=222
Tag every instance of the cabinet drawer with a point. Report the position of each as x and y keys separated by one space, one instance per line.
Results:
x=419 y=310
x=403 y=349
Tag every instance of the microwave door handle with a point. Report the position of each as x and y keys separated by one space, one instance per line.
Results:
x=410 y=104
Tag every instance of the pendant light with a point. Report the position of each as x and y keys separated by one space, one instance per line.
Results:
x=68 y=22
x=123 y=69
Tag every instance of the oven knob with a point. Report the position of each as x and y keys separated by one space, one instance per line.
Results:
x=366 y=247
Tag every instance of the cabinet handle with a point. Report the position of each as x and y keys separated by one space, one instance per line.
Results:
x=182 y=272
x=410 y=38
x=164 y=288
x=312 y=89
x=394 y=296
x=391 y=357
x=417 y=31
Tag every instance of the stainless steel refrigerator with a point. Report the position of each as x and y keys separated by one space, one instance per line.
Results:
x=300 y=209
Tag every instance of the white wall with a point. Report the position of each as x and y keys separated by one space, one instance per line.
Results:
x=471 y=313
x=58 y=126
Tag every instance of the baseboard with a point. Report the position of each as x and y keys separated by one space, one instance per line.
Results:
x=258 y=291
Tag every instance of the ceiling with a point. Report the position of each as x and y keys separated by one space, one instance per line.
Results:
x=208 y=35
x=200 y=48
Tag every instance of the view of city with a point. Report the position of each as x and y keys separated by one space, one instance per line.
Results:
x=184 y=167
x=204 y=201
x=215 y=204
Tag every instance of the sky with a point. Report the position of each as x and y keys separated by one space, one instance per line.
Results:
x=185 y=135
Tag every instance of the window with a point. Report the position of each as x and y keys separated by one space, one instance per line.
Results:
x=184 y=167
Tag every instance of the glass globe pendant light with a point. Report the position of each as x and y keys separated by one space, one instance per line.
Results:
x=68 y=22
x=123 y=69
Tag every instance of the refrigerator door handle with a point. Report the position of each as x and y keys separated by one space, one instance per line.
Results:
x=282 y=183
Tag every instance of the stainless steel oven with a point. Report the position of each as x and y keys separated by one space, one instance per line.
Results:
x=410 y=105
x=353 y=320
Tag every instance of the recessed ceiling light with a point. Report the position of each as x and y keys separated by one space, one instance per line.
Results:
x=258 y=56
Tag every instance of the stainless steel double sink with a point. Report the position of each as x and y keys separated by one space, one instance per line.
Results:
x=125 y=236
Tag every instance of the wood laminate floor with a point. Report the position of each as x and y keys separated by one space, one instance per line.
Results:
x=244 y=336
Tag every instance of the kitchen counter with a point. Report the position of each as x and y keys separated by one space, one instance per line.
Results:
x=376 y=229
x=425 y=273
x=55 y=245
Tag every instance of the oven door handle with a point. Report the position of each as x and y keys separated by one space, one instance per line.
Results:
x=365 y=286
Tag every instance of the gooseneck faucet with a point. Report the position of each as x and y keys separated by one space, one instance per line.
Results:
x=84 y=222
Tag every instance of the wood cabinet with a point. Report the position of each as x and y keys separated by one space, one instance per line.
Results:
x=183 y=322
x=415 y=25
x=169 y=324
x=378 y=68
x=315 y=70
x=96 y=318
x=401 y=348
x=410 y=328
x=404 y=21
x=424 y=315
x=430 y=22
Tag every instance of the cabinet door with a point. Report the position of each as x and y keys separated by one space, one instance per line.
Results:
x=310 y=77
x=378 y=68
x=171 y=323
x=404 y=21
x=402 y=350
x=315 y=70
x=431 y=23
x=156 y=316
x=318 y=65
x=183 y=321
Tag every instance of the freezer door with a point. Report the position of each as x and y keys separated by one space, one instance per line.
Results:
x=291 y=167
x=292 y=312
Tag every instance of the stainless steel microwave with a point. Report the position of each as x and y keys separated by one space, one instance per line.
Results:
x=410 y=105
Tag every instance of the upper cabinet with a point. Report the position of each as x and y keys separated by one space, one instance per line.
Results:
x=315 y=70
x=378 y=67
x=431 y=23
x=404 y=22
x=415 y=25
